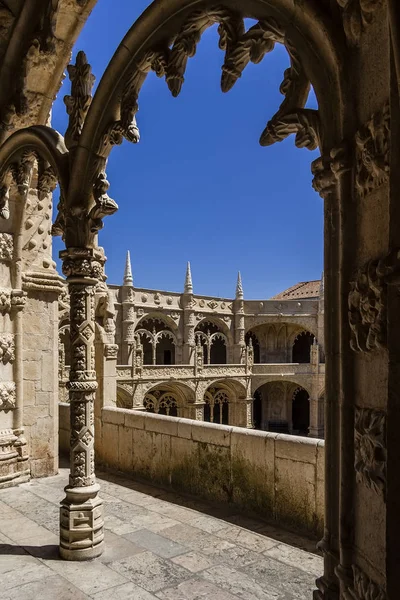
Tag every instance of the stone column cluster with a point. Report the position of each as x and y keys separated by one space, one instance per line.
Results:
x=81 y=516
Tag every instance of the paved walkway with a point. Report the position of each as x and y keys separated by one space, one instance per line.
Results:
x=158 y=546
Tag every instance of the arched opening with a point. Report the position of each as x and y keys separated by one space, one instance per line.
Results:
x=161 y=402
x=301 y=412
x=158 y=342
x=301 y=351
x=250 y=335
x=303 y=131
x=213 y=341
x=257 y=410
x=216 y=408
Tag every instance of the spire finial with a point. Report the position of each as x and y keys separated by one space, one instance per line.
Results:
x=188 y=289
x=239 y=288
x=128 y=279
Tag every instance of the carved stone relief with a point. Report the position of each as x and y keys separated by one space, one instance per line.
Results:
x=364 y=587
x=357 y=14
x=370 y=449
x=367 y=302
x=6 y=247
x=372 y=152
x=7 y=395
x=7 y=348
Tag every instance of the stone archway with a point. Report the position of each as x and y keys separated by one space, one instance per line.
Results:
x=353 y=177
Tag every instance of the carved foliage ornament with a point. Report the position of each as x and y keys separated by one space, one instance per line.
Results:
x=372 y=152
x=7 y=348
x=370 y=449
x=241 y=47
x=7 y=395
x=364 y=588
x=6 y=247
x=367 y=302
x=357 y=14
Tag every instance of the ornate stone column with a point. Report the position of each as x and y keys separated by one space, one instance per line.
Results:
x=238 y=310
x=188 y=303
x=81 y=513
x=128 y=314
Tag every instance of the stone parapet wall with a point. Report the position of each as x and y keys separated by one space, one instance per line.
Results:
x=279 y=477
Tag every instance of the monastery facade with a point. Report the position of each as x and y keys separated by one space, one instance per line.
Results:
x=249 y=363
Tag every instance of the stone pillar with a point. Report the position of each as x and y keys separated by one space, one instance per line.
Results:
x=128 y=315
x=81 y=512
x=198 y=411
x=316 y=428
x=189 y=342
x=329 y=173
x=249 y=413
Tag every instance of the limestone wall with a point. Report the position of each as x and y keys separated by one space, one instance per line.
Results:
x=40 y=382
x=280 y=477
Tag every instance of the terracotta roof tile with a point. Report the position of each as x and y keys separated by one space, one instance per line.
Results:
x=304 y=289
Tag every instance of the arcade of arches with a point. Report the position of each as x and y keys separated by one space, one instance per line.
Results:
x=349 y=52
x=158 y=338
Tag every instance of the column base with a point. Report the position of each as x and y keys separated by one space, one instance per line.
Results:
x=81 y=523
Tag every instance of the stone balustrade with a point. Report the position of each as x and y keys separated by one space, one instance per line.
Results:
x=279 y=477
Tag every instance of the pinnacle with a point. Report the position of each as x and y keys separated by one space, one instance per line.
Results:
x=128 y=279
x=239 y=287
x=188 y=289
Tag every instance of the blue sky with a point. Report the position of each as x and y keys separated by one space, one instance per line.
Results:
x=198 y=186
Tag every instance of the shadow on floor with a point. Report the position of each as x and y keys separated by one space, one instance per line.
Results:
x=49 y=552
x=229 y=514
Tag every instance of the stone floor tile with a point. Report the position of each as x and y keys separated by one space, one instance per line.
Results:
x=291 y=581
x=158 y=544
x=195 y=589
x=20 y=572
x=206 y=523
x=22 y=529
x=195 y=539
x=256 y=561
x=178 y=513
x=150 y=571
x=117 y=547
x=153 y=521
x=310 y=563
x=241 y=585
x=234 y=557
x=89 y=577
x=46 y=492
x=193 y=562
x=247 y=539
x=126 y=591
x=48 y=588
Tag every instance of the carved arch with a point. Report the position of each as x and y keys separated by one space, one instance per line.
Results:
x=309 y=36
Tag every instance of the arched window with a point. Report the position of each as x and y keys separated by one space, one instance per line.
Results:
x=161 y=402
x=301 y=412
x=217 y=406
x=213 y=341
x=301 y=352
x=158 y=342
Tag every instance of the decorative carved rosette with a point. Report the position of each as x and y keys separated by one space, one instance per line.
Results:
x=370 y=448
